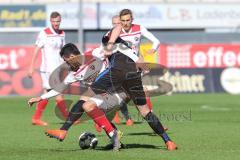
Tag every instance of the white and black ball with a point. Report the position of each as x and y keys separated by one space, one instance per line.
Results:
x=88 y=140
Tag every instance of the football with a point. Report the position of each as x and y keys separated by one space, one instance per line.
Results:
x=87 y=140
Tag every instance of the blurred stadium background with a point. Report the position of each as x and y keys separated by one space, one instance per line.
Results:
x=200 y=38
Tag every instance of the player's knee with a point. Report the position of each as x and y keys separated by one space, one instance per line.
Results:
x=59 y=98
x=144 y=110
x=89 y=106
x=146 y=91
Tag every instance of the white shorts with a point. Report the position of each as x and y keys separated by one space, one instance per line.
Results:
x=56 y=78
x=107 y=102
x=45 y=79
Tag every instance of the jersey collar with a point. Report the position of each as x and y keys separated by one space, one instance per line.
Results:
x=127 y=32
x=53 y=31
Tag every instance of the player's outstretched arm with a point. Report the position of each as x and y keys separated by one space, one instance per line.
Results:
x=50 y=94
x=152 y=38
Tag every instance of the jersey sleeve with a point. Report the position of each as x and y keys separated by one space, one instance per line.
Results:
x=150 y=37
x=97 y=52
x=41 y=39
x=52 y=93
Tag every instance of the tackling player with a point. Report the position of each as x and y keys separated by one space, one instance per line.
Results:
x=81 y=71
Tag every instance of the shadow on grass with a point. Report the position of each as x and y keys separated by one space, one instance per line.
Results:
x=61 y=150
x=145 y=146
x=106 y=148
x=142 y=134
x=132 y=146
x=122 y=123
x=136 y=134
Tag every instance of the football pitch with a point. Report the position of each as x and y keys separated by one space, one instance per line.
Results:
x=204 y=126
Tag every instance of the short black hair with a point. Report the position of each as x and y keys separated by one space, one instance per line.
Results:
x=69 y=49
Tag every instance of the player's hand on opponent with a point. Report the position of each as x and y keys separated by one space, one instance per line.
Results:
x=141 y=65
x=33 y=100
x=108 y=50
x=151 y=51
x=107 y=53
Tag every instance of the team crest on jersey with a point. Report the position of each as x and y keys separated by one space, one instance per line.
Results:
x=91 y=78
x=92 y=67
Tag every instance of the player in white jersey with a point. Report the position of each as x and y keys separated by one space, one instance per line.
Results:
x=132 y=33
x=123 y=108
x=85 y=71
x=86 y=74
x=49 y=42
x=91 y=106
x=129 y=122
x=122 y=74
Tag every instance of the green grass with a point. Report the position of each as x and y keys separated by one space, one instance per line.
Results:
x=205 y=126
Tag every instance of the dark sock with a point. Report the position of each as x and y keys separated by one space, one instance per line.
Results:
x=75 y=113
x=156 y=125
x=124 y=111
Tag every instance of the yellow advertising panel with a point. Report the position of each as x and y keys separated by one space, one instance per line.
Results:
x=151 y=58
